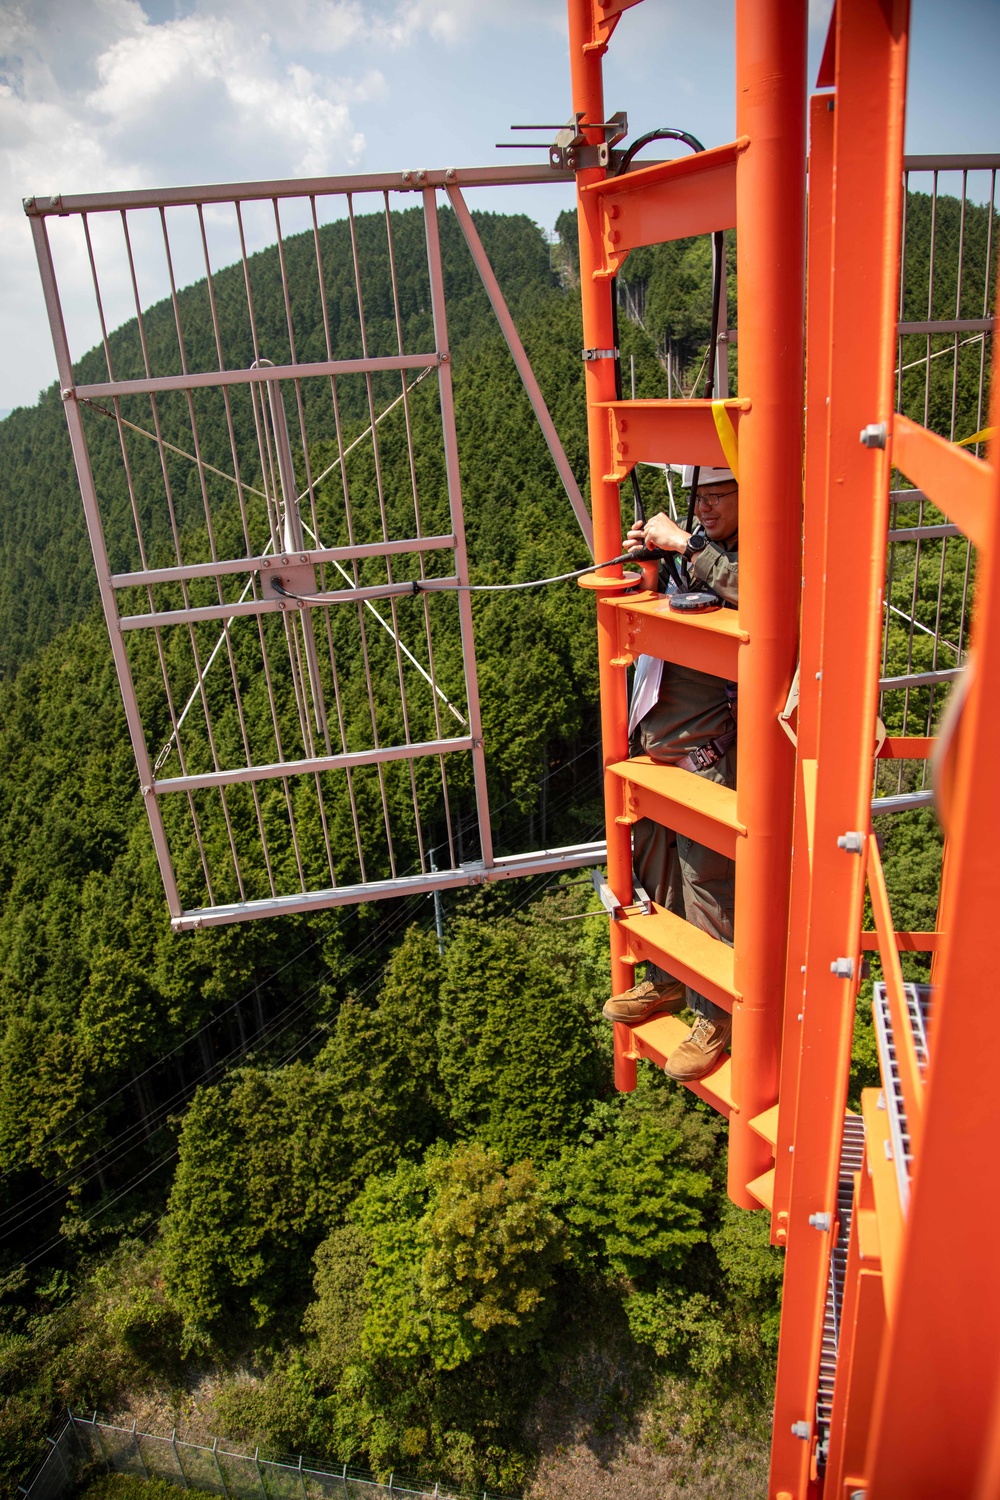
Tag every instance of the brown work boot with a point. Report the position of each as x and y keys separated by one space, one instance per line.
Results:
x=645 y=1000
x=701 y=1051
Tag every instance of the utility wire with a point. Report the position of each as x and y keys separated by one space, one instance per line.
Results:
x=101 y=1161
x=184 y=1042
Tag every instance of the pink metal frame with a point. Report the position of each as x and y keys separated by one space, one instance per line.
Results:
x=294 y=668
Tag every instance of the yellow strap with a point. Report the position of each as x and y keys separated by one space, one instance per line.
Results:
x=727 y=437
x=977 y=437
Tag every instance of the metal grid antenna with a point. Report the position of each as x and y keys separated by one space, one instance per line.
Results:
x=284 y=476
x=944 y=349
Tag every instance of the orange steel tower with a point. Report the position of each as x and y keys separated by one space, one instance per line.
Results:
x=888 y=1381
x=756 y=184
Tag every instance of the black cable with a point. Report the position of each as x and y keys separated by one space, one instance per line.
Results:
x=669 y=133
x=663 y=133
x=444 y=585
x=718 y=282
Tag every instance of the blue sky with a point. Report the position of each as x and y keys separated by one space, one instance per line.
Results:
x=103 y=94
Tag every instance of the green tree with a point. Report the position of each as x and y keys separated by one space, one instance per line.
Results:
x=262 y=1173
x=636 y=1190
x=517 y=1056
x=381 y=1062
x=463 y=1257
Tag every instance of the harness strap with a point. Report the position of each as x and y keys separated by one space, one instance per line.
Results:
x=706 y=756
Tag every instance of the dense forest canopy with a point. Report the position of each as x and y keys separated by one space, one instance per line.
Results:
x=390 y=1182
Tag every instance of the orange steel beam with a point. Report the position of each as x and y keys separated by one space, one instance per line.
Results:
x=931 y=1429
x=906 y=942
x=843 y=645
x=908 y=747
x=667 y=201
x=770 y=207
x=588 y=35
x=951 y=478
x=910 y=1078
x=881 y=1172
x=820 y=220
x=661 y=431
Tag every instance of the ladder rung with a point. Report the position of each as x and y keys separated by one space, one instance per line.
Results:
x=766 y=1125
x=762 y=1188
x=692 y=805
x=692 y=956
x=656 y=431
x=667 y=200
x=656 y=1039
x=707 y=643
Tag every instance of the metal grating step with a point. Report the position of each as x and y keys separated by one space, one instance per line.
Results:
x=851 y=1153
x=918 y=1003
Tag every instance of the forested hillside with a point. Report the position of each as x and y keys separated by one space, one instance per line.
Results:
x=248 y=1158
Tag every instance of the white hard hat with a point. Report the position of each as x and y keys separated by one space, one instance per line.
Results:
x=705 y=475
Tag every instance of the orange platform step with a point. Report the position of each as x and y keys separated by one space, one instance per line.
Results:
x=690 y=804
x=766 y=1125
x=708 y=643
x=762 y=1189
x=666 y=200
x=654 y=1040
x=690 y=955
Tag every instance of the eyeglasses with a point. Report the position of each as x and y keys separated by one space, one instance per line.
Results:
x=714 y=497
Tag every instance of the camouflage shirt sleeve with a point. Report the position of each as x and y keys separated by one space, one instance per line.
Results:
x=719 y=570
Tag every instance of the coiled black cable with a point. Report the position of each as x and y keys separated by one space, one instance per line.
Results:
x=669 y=133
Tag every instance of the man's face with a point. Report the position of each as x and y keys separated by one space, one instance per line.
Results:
x=717 y=508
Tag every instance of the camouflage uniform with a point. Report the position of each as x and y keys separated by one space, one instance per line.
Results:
x=687 y=878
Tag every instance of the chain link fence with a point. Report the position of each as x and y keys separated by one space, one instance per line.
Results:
x=83 y=1442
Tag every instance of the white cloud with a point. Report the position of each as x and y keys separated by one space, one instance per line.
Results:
x=94 y=95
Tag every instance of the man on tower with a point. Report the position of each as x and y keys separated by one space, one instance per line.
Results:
x=686 y=718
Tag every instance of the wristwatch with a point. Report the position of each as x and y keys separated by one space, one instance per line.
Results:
x=697 y=543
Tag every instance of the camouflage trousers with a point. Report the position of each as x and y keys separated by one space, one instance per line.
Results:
x=689 y=880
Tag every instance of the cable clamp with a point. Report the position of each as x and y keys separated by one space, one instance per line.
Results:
x=589 y=354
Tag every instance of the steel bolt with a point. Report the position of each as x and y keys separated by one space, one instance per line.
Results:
x=266 y=562
x=852 y=842
x=614 y=236
x=820 y=1221
x=613 y=211
x=843 y=968
x=874 y=435
x=407 y=176
x=303 y=558
x=802 y=1430
x=450 y=174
